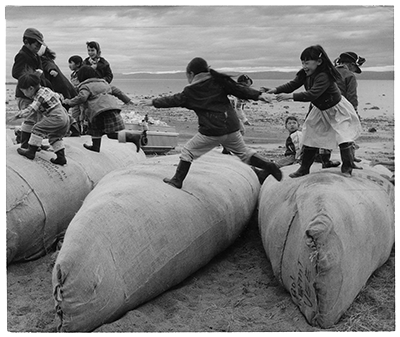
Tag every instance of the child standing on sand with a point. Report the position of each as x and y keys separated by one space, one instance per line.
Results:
x=53 y=120
x=102 y=111
x=332 y=119
x=207 y=94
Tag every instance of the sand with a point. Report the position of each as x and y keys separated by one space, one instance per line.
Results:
x=236 y=291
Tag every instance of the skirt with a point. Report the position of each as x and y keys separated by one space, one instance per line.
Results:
x=106 y=122
x=329 y=128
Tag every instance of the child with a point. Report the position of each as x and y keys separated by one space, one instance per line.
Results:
x=207 y=94
x=101 y=110
x=53 y=118
x=238 y=105
x=347 y=64
x=28 y=59
x=332 y=119
x=103 y=69
x=293 y=143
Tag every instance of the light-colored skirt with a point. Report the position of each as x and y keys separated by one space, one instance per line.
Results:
x=329 y=128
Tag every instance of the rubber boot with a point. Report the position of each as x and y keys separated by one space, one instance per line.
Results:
x=225 y=151
x=95 y=147
x=75 y=131
x=24 y=139
x=30 y=152
x=267 y=166
x=347 y=158
x=60 y=160
x=327 y=162
x=180 y=174
x=131 y=137
x=308 y=159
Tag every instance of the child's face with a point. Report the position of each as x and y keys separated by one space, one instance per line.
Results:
x=92 y=52
x=310 y=66
x=72 y=65
x=292 y=125
x=34 y=47
x=29 y=92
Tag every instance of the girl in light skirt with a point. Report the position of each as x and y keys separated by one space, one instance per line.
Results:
x=332 y=120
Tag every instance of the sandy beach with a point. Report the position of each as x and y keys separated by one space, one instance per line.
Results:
x=236 y=291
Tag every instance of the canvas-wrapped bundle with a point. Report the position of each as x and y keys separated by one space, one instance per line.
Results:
x=136 y=236
x=42 y=197
x=325 y=235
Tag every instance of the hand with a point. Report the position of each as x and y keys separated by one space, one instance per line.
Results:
x=146 y=102
x=284 y=97
x=53 y=73
x=266 y=97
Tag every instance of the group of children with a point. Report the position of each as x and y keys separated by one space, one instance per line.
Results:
x=53 y=106
x=331 y=121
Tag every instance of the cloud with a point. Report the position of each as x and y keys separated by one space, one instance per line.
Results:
x=165 y=38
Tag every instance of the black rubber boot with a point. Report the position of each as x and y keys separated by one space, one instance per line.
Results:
x=60 y=160
x=134 y=138
x=180 y=174
x=308 y=159
x=268 y=166
x=95 y=147
x=24 y=139
x=327 y=162
x=75 y=130
x=347 y=158
x=29 y=153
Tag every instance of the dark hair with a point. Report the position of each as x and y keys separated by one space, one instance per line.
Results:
x=316 y=53
x=199 y=65
x=291 y=118
x=86 y=72
x=49 y=53
x=29 y=79
x=76 y=59
x=95 y=45
x=244 y=79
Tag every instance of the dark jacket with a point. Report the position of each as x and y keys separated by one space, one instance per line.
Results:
x=207 y=96
x=321 y=90
x=103 y=68
x=26 y=61
x=348 y=85
x=60 y=83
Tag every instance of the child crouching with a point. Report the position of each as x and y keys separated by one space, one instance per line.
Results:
x=53 y=120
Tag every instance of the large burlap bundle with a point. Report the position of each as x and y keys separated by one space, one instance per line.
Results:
x=42 y=198
x=325 y=235
x=136 y=236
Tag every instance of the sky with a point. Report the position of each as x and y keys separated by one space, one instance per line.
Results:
x=157 y=38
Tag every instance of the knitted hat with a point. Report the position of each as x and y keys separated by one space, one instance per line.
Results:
x=33 y=33
x=351 y=57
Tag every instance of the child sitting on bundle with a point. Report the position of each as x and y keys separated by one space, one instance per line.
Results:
x=293 y=143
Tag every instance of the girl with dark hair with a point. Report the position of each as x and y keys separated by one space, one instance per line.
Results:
x=53 y=121
x=207 y=94
x=102 y=111
x=332 y=120
x=103 y=69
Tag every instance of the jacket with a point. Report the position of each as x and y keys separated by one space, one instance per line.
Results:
x=96 y=94
x=60 y=83
x=103 y=68
x=208 y=98
x=348 y=85
x=321 y=90
x=26 y=61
